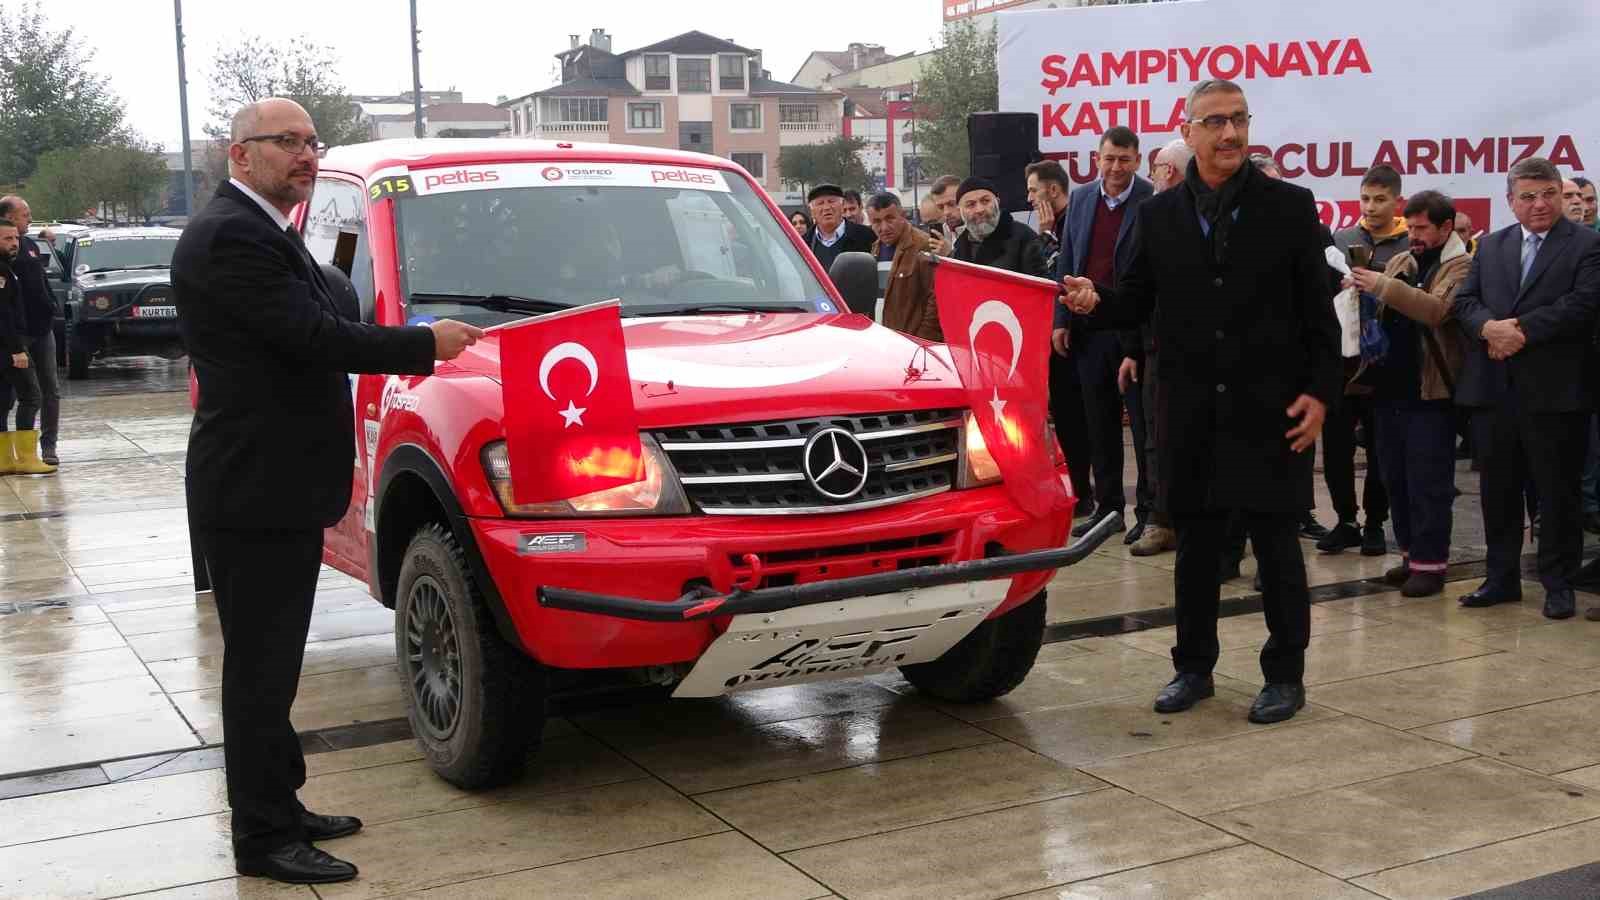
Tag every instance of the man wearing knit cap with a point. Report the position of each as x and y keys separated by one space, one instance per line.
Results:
x=993 y=238
x=833 y=234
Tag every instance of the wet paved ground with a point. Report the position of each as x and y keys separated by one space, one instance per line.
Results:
x=1445 y=751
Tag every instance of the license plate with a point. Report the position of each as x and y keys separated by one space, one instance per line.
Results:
x=845 y=639
x=155 y=312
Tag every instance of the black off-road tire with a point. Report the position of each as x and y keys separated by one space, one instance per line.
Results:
x=485 y=737
x=987 y=663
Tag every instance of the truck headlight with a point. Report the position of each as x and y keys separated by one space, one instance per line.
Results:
x=978 y=466
x=658 y=494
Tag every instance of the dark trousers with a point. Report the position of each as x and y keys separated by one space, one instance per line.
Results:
x=42 y=351
x=1339 y=462
x=19 y=386
x=1098 y=354
x=1416 y=450
x=1202 y=542
x=1066 y=408
x=1512 y=443
x=1151 y=476
x=264 y=583
x=1144 y=499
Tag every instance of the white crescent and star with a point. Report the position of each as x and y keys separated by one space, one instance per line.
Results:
x=996 y=312
x=573 y=414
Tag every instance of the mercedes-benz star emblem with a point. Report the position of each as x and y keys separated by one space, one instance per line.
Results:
x=836 y=463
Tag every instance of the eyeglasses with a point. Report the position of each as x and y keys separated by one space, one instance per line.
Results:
x=290 y=143
x=1548 y=195
x=1241 y=121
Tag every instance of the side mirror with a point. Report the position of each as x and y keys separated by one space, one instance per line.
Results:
x=855 y=274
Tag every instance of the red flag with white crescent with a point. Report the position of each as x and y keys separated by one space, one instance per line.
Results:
x=569 y=418
x=997 y=325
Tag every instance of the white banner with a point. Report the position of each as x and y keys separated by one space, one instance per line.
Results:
x=1451 y=93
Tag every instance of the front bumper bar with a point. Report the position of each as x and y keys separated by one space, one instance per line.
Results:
x=705 y=602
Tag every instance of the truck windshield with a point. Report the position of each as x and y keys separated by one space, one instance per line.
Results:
x=660 y=249
x=106 y=254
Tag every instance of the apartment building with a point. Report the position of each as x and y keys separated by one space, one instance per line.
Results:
x=692 y=92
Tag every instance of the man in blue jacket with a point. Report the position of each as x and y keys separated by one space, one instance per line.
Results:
x=1098 y=243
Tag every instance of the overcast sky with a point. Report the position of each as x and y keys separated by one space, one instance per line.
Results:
x=483 y=48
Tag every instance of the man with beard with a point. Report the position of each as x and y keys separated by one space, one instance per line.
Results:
x=39 y=304
x=1230 y=270
x=1413 y=387
x=269 y=462
x=993 y=238
x=18 y=454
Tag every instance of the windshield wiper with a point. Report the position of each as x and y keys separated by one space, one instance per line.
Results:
x=496 y=302
x=674 y=309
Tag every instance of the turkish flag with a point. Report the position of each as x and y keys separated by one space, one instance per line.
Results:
x=569 y=419
x=997 y=324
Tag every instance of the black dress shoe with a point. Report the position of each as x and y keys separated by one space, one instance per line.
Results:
x=1398 y=575
x=1343 y=536
x=1087 y=525
x=1134 y=533
x=1184 y=691
x=1423 y=584
x=1372 y=541
x=326 y=828
x=1486 y=596
x=1083 y=510
x=1277 y=702
x=1560 y=604
x=297 y=863
x=1311 y=528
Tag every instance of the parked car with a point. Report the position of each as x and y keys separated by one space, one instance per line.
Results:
x=733 y=565
x=60 y=286
x=115 y=286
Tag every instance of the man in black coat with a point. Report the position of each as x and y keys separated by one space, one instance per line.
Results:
x=1231 y=267
x=270 y=455
x=39 y=303
x=992 y=237
x=833 y=234
x=1528 y=308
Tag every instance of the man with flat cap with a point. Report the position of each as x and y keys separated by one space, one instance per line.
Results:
x=833 y=234
x=992 y=237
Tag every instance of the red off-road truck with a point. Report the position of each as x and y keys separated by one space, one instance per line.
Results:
x=818 y=503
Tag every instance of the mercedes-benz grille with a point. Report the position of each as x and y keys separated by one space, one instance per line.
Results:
x=775 y=468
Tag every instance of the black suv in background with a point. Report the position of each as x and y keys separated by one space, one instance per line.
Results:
x=115 y=285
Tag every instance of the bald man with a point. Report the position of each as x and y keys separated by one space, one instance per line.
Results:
x=270 y=455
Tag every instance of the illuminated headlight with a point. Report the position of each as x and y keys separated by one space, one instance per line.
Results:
x=658 y=494
x=978 y=466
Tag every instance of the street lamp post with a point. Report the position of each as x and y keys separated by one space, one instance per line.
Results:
x=416 y=73
x=183 y=113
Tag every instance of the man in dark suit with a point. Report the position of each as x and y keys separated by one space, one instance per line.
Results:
x=270 y=455
x=833 y=234
x=1230 y=266
x=1528 y=309
x=1098 y=244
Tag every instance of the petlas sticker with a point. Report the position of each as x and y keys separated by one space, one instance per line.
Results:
x=426 y=182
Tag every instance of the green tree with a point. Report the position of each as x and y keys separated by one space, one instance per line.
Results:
x=124 y=180
x=833 y=162
x=49 y=98
x=961 y=78
x=300 y=69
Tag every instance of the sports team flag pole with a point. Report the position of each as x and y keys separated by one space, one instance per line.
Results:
x=569 y=417
x=997 y=325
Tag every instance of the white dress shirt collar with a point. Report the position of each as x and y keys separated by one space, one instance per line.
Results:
x=1118 y=200
x=1527 y=234
x=829 y=240
x=277 y=216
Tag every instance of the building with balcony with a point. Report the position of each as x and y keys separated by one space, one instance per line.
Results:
x=692 y=92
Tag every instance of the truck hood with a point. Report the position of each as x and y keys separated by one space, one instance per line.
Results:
x=753 y=367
